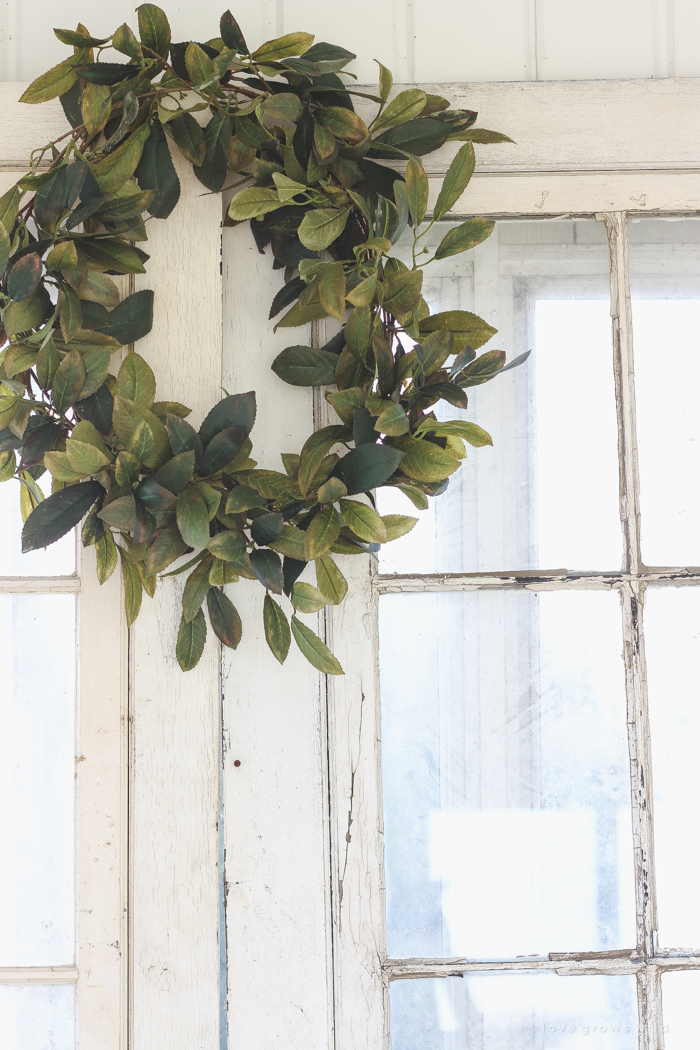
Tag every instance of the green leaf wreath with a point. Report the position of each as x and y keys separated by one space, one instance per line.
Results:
x=278 y=124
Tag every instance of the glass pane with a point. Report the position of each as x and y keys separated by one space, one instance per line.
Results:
x=56 y=560
x=546 y=494
x=680 y=994
x=37 y=1017
x=505 y=774
x=665 y=284
x=514 y=1012
x=37 y=779
x=672 y=639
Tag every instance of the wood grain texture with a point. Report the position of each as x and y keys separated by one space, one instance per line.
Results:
x=175 y=735
x=274 y=801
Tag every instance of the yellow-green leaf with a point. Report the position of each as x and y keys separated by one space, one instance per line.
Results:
x=363 y=521
x=190 y=641
x=56 y=81
x=114 y=170
x=322 y=532
x=283 y=47
x=316 y=652
x=397 y=525
x=133 y=588
x=456 y=180
x=277 y=632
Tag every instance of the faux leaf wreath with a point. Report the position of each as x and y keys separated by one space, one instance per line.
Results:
x=278 y=121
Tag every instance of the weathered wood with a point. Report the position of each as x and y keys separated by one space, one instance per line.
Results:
x=174 y=794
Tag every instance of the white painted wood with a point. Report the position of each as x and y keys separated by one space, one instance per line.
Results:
x=174 y=792
x=275 y=806
x=39 y=975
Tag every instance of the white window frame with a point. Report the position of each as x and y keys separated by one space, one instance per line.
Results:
x=307 y=966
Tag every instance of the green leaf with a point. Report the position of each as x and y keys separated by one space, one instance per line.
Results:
x=68 y=381
x=283 y=106
x=474 y=329
x=407 y=105
x=224 y=618
x=398 y=525
x=217 y=138
x=120 y=513
x=425 y=461
x=481 y=135
x=132 y=319
x=17 y=359
x=304 y=366
x=243 y=498
x=63 y=257
x=254 y=202
x=96 y=368
x=331 y=490
x=417 y=189
x=24 y=277
x=277 y=632
x=52 y=83
x=221 y=573
x=363 y=521
x=126 y=418
x=113 y=171
x=386 y=81
x=316 y=652
x=221 y=450
x=196 y=589
x=199 y=65
x=314 y=451
x=331 y=291
x=462 y=238
x=156 y=171
x=346 y=401
x=369 y=466
x=136 y=382
x=193 y=517
x=76 y=39
x=58 y=514
x=283 y=47
x=133 y=588
x=291 y=542
x=228 y=546
x=106 y=556
x=167 y=548
x=321 y=226
x=322 y=532
x=471 y=432
x=456 y=180
x=4 y=249
x=416 y=138
x=268 y=569
x=307 y=599
x=154 y=497
x=189 y=138
x=343 y=124
x=236 y=410
x=417 y=497
x=402 y=291
x=85 y=459
x=331 y=582
x=363 y=294
x=154 y=29
x=103 y=74
x=142 y=443
x=125 y=42
x=177 y=472
x=191 y=638
x=21 y=317
x=392 y=421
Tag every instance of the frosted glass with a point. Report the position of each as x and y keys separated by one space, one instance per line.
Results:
x=672 y=639
x=37 y=1017
x=505 y=774
x=56 y=560
x=680 y=994
x=546 y=495
x=514 y=1012
x=665 y=285
x=37 y=779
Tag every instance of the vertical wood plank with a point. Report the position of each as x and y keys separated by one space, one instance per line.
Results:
x=175 y=742
x=275 y=819
x=102 y=816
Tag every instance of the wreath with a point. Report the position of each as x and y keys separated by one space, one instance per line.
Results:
x=278 y=124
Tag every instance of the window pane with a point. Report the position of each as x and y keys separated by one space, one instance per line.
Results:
x=546 y=494
x=37 y=1017
x=514 y=1012
x=56 y=560
x=680 y=994
x=665 y=284
x=37 y=778
x=505 y=774
x=672 y=638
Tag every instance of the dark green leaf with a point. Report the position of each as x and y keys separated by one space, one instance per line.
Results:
x=224 y=618
x=104 y=72
x=58 y=514
x=474 y=329
x=132 y=319
x=316 y=652
x=236 y=410
x=166 y=549
x=24 y=277
x=287 y=294
x=268 y=569
x=304 y=366
x=68 y=381
x=196 y=589
x=231 y=33
x=156 y=171
x=277 y=632
x=98 y=409
x=120 y=513
x=217 y=136
x=190 y=641
x=70 y=101
x=417 y=137
x=133 y=588
x=189 y=138
x=41 y=440
x=221 y=450
x=455 y=182
x=369 y=466
x=267 y=528
x=182 y=435
x=177 y=472
x=76 y=39
x=154 y=497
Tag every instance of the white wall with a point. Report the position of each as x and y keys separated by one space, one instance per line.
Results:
x=420 y=40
